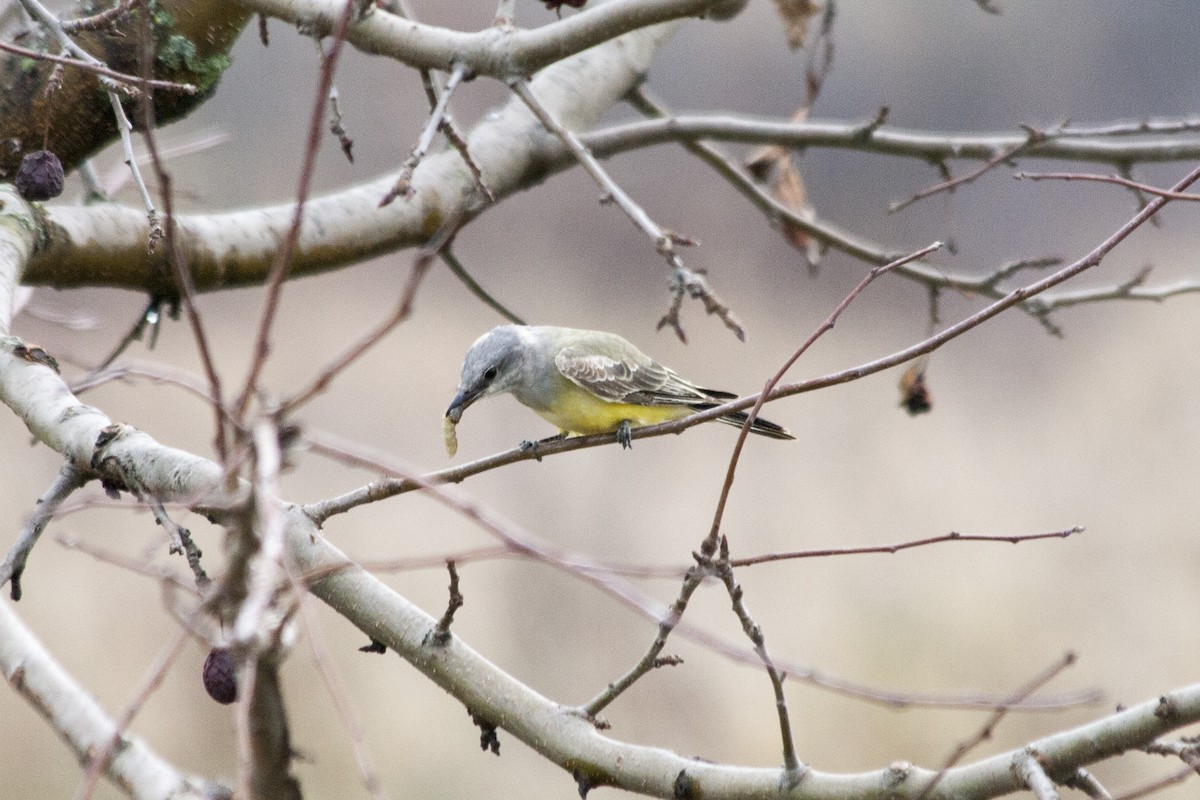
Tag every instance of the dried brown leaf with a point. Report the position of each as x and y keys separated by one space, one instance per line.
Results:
x=796 y=15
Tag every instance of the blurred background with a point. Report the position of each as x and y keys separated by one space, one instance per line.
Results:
x=1029 y=433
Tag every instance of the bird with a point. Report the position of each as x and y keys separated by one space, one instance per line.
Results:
x=584 y=382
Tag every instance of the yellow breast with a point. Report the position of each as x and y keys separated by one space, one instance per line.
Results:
x=580 y=412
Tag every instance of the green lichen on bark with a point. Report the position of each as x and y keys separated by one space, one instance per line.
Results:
x=191 y=43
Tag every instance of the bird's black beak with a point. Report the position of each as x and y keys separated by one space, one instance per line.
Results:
x=461 y=401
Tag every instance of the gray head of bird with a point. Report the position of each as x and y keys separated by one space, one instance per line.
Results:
x=491 y=366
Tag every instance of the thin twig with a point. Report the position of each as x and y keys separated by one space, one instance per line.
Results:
x=460 y=272
x=440 y=635
x=710 y=541
x=101 y=20
x=694 y=576
x=180 y=272
x=283 y=258
x=1154 y=787
x=403 y=185
x=1033 y=138
x=683 y=280
x=125 y=129
x=1117 y=179
x=152 y=680
x=181 y=541
x=896 y=548
x=367 y=772
x=403 y=309
x=54 y=27
x=754 y=633
x=68 y=480
x=100 y=69
x=989 y=726
x=336 y=127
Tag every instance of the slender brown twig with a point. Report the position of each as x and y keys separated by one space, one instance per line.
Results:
x=753 y=631
x=1033 y=138
x=152 y=680
x=1115 y=179
x=100 y=69
x=989 y=725
x=403 y=309
x=714 y=531
x=283 y=258
x=180 y=272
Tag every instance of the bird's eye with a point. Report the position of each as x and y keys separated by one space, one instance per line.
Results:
x=490 y=374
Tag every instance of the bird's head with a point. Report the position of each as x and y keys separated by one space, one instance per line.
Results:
x=491 y=366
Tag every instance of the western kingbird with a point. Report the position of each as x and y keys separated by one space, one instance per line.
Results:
x=584 y=382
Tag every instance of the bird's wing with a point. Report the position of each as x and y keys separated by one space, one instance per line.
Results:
x=640 y=381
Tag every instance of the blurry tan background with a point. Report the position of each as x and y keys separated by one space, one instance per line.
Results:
x=1029 y=433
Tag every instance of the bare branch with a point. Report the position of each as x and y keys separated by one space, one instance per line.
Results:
x=1112 y=144
x=69 y=479
x=683 y=280
x=153 y=679
x=282 y=265
x=989 y=726
x=473 y=286
x=1028 y=768
x=74 y=714
x=99 y=69
x=496 y=52
x=666 y=624
x=437 y=119
x=791 y=764
x=714 y=530
x=1005 y=156
x=1116 y=179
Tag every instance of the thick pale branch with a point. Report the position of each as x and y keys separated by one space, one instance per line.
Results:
x=499 y=52
x=570 y=740
x=74 y=714
x=105 y=245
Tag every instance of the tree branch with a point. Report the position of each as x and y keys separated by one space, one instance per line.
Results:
x=76 y=716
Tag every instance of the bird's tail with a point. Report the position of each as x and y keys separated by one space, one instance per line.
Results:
x=763 y=427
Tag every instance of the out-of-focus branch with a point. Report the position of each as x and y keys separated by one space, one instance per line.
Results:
x=75 y=716
x=1114 y=144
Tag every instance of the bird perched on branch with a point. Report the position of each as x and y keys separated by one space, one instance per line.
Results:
x=584 y=382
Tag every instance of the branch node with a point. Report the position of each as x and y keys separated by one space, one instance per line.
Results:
x=1029 y=770
x=685 y=786
x=1167 y=707
x=1087 y=783
x=488 y=740
x=440 y=635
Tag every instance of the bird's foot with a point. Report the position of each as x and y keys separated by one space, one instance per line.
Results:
x=532 y=445
x=625 y=434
